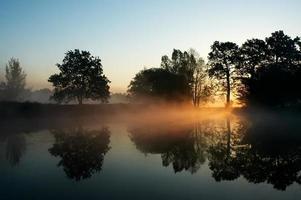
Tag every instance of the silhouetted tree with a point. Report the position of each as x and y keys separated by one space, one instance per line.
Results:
x=185 y=64
x=181 y=78
x=253 y=56
x=81 y=77
x=181 y=63
x=270 y=71
x=282 y=48
x=81 y=151
x=223 y=60
x=202 y=87
x=158 y=83
x=13 y=89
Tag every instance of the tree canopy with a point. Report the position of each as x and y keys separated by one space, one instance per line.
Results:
x=180 y=79
x=270 y=71
x=81 y=77
x=13 y=88
x=222 y=63
x=158 y=83
x=260 y=72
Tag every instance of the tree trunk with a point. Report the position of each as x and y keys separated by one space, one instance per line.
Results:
x=228 y=90
x=195 y=93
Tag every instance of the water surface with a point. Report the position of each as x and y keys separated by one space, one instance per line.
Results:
x=226 y=157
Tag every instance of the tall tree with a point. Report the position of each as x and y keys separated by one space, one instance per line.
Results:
x=222 y=62
x=13 y=88
x=270 y=71
x=282 y=48
x=202 y=87
x=181 y=63
x=81 y=77
x=253 y=55
x=190 y=65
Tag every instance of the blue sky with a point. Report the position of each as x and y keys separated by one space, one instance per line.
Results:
x=130 y=34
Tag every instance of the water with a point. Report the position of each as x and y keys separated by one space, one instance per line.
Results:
x=226 y=157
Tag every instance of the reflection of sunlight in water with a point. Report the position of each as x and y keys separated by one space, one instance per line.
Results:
x=229 y=146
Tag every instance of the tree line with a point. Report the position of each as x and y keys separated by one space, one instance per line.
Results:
x=257 y=73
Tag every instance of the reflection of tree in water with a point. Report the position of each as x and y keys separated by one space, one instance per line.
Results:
x=81 y=151
x=262 y=154
x=221 y=154
x=261 y=151
x=279 y=170
x=274 y=155
x=15 y=148
x=184 y=155
x=177 y=147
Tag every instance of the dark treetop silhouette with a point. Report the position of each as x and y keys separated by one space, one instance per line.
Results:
x=180 y=79
x=270 y=71
x=155 y=83
x=260 y=73
x=263 y=73
x=81 y=77
x=222 y=62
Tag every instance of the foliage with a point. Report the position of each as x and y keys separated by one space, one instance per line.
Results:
x=202 y=87
x=222 y=63
x=13 y=89
x=81 y=77
x=270 y=71
x=158 y=83
x=181 y=78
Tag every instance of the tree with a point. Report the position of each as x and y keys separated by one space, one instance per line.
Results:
x=181 y=63
x=157 y=83
x=282 y=48
x=270 y=71
x=81 y=77
x=222 y=63
x=14 y=87
x=190 y=65
x=202 y=87
x=253 y=55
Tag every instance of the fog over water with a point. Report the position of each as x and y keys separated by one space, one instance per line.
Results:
x=157 y=154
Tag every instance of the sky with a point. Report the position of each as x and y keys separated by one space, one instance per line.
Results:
x=129 y=35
